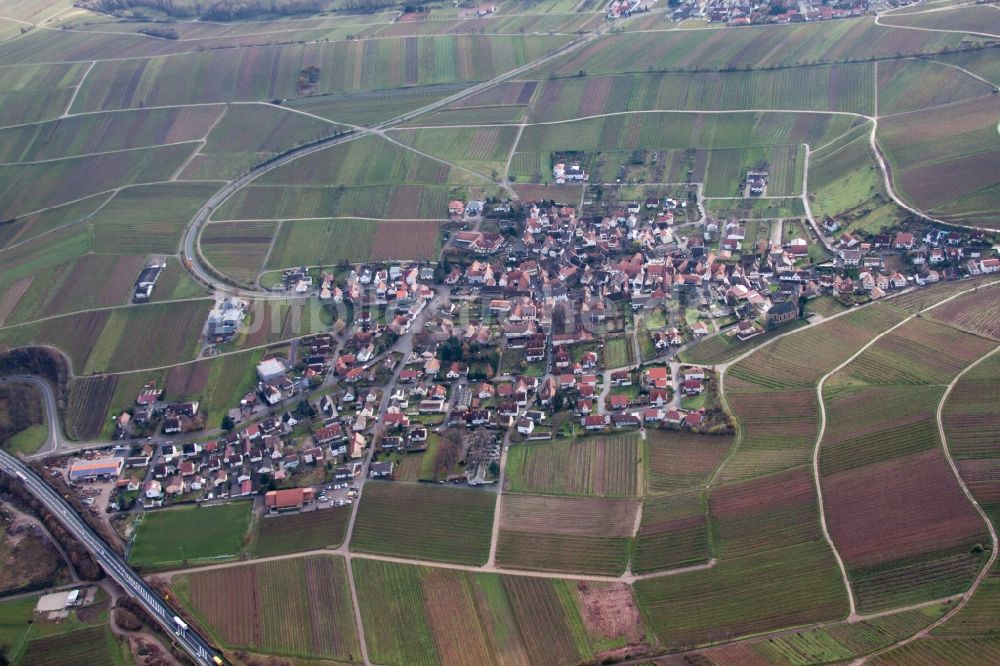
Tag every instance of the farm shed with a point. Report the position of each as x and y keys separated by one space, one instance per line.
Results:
x=286 y=500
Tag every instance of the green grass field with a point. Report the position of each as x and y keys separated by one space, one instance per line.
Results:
x=172 y=538
x=618 y=352
x=28 y=441
x=424 y=522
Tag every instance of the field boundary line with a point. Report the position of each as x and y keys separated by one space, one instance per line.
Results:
x=270 y=249
x=650 y=111
x=841 y=136
x=945 y=105
x=358 y=622
x=203 y=141
x=110 y=195
x=291 y=109
x=884 y=167
x=722 y=368
x=875 y=82
x=76 y=91
x=113 y=191
x=103 y=152
x=513 y=150
x=960 y=68
x=988 y=35
x=385 y=135
x=132 y=109
x=966 y=596
x=104 y=308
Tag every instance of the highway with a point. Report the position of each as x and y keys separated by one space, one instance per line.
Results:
x=194 y=644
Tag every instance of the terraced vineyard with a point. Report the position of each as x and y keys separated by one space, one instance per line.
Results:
x=724 y=602
x=827 y=345
x=765 y=513
x=673 y=533
x=312 y=530
x=681 y=460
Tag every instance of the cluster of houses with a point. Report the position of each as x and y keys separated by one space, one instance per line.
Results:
x=623 y=8
x=150 y=411
x=880 y=263
x=241 y=463
x=236 y=465
x=573 y=173
x=634 y=257
x=653 y=406
x=747 y=12
x=551 y=298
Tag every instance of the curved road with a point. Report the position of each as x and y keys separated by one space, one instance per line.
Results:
x=56 y=439
x=189 y=242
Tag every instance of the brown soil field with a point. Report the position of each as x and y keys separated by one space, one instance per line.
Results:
x=898 y=509
x=405 y=240
x=584 y=516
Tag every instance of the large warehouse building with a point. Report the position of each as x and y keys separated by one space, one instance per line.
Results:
x=95 y=469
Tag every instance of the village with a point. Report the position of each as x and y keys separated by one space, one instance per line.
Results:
x=555 y=325
x=752 y=12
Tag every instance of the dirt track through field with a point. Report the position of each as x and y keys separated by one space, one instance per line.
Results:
x=968 y=594
x=822 y=430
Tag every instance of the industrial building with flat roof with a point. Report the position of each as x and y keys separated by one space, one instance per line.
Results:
x=94 y=469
